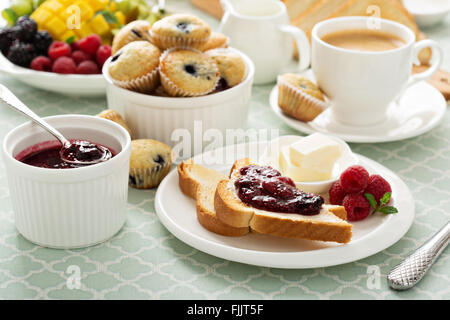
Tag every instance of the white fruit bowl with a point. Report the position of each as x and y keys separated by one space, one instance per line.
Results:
x=169 y=119
x=68 y=84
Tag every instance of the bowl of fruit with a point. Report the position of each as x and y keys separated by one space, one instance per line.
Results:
x=60 y=46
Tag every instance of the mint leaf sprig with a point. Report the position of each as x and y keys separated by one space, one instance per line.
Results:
x=383 y=208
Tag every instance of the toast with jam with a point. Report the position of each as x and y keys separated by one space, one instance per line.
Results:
x=261 y=199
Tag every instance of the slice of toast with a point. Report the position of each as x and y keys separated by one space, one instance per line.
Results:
x=200 y=183
x=328 y=225
x=297 y=7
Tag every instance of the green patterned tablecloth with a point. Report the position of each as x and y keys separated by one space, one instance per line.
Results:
x=145 y=261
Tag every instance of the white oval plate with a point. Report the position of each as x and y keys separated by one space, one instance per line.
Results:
x=177 y=213
x=421 y=108
x=68 y=84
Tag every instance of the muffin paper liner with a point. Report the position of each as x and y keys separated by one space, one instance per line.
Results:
x=171 y=88
x=298 y=104
x=144 y=84
x=166 y=42
x=149 y=177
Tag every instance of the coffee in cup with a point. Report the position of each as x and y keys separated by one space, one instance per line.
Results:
x=363 y=69
x=364 y=40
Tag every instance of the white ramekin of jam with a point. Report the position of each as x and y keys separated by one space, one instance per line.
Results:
x=67 y=207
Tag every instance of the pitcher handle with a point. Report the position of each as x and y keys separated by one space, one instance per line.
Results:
x=303 y=46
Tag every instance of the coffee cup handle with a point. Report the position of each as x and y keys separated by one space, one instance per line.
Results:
x=302 y=45
x=436 y=59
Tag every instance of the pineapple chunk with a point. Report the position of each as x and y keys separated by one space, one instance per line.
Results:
x=56 y=26
x=99 y=25
x=57 y=17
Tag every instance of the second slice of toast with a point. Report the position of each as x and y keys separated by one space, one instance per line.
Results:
x=200 y=184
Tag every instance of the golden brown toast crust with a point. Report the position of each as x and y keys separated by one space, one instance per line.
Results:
x=193 y=188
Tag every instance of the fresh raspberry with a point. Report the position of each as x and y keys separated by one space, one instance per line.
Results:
x=87 y=67
x=79 y=56
x=90 y=44
x=354 y=179
x=337 y=193
x=357 y=206
x=64 y=65
x=75 y=45
x=41 y=63
x=103 y=53
x=59 y=49
x=377 y=186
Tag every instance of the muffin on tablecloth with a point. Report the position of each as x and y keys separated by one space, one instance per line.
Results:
x=180 y=30
x=135 y=67
x=299 y=97
x=150 y=162
x=134 y=31
x=188 y=73
x=231 y=66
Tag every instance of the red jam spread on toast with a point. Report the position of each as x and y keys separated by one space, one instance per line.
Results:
x=263 y=187
x=47 y=154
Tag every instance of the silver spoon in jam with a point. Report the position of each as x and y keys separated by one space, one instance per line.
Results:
x=78 y=152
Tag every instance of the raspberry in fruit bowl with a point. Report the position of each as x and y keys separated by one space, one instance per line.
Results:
x=103 y=53
x=87 y=67
x=354 y=179
x=357 y=206
x=79 y=56
x=59 y=49
x=377 y=186
x=64 y=65
x=41 y=63
x=90 y=44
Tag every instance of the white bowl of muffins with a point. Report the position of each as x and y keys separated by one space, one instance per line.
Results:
x=179 y=76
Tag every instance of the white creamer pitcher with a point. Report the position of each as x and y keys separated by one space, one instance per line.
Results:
x=261 y=29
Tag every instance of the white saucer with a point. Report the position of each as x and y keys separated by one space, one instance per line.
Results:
x=177 y=213
x=78 y=85
x=420 y=109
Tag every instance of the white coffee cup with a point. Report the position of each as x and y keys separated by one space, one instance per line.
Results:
x=362 y=84
x=261 y=29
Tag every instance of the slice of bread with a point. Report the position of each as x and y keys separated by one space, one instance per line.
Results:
x=200 y=183
x=297 y=7
x=328 y=225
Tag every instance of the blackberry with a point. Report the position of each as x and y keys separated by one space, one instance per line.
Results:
x=21 y=53
x=5 y=40
x=28 y=28
x=42 y=40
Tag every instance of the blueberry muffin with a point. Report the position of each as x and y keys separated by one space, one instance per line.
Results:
x=231 y=66
x=188 y=73
x=114 y=116
x=135 y=67
x=180 y=30
x=299 y=97
x=216 y=40
x=134 y=31
x=150 y=162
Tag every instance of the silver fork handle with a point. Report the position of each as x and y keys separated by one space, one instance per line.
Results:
x=413 y=268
